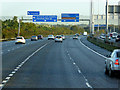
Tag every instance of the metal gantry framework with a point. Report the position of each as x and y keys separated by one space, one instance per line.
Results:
x=57 y=20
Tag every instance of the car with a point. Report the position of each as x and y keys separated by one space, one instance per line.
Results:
x=58 y=38
x=112 y=63
x=20 y=40
x=109 y=39
x=85 y=34
x=34 y=38
x=40 y=37
x=118 y=38
x=114 y=35
x=63 y=37
x=77 y=34
x=75 y=37
x=51 y=37
x=102 y=36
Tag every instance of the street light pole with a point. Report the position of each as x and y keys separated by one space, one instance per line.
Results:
x=19 y=28
x=106 y=16
x=98 y=16
x=92 y=18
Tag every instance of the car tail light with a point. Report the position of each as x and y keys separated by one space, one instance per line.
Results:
x=117 y=62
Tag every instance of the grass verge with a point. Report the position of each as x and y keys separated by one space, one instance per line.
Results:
x=102 y=44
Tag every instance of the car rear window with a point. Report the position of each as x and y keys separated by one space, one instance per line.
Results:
x=118 y=54
x=50 y=35
x=58 y=36
x=33 y=36
x=19 y=38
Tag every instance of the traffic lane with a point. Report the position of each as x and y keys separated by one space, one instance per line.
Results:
x=13 y=46
x=49 y=68
x=12 y=59
x=91 y=65
x=9 y=43
x=94 y=47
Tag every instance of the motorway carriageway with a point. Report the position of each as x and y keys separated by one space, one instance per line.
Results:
x=46 y=64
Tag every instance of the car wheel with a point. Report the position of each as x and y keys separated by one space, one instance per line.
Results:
x=110 y=72
x=61 y=41
x=106 y=70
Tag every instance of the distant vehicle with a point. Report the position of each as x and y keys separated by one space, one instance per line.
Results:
x=20 y=39
x=58 y=38
x=102 y=36
x=51 y=37
x=63 y=37
x=112 y=63
x=109 y=38
x=114 y=35
x=85 y=33
x=75 y=37
x=40 y=37
x=77 y=34
x=34 y=38
x=118 y=38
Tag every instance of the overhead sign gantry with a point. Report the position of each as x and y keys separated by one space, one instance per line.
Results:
x=45 y=18
x=69 y=17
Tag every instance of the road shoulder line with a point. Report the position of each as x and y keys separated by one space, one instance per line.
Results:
x=91 y=49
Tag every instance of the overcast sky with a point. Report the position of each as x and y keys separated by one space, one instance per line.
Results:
x=51 y=7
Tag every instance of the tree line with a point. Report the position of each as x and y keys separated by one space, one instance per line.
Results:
x=27 y=29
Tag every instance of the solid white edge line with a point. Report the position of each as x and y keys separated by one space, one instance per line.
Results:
x=93 y=50
x=88 y=85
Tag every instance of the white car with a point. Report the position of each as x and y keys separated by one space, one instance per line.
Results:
x=20 y=39
x=51 y=37
x=112 y=63
x=63 y=37
x=58 y=38
x=102 y=36
x=75 y=37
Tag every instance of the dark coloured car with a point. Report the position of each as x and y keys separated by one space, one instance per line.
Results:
x=40 y=37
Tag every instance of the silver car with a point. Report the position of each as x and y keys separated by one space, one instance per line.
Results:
x=112 y=63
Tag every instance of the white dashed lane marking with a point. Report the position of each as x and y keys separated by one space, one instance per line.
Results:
x=8 y=50
x=79 y=71
x=18 y=67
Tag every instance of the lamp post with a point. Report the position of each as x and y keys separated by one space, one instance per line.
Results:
x=92 y=18
x=19 y=28
x=106 y=16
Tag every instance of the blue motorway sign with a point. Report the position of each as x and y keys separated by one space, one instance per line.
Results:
x=45 y=18
x=68 y=17
x=100 y=25
x=33 y=12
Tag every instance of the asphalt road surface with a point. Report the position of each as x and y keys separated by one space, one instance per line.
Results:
x=46 y=64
